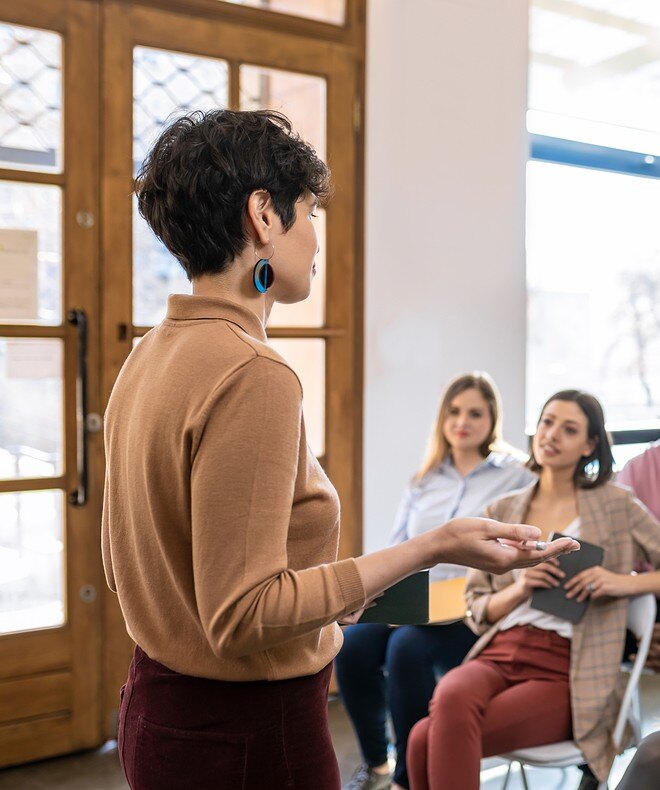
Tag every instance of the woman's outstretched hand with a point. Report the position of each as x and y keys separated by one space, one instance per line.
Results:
x=492 y=546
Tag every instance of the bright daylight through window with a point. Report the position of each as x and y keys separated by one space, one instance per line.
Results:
x=593 y=199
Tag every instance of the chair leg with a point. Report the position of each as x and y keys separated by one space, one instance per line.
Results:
x=506 y=778
x=636 y=717
x=524 y=776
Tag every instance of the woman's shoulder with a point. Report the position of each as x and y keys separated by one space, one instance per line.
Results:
x=610 y=493
x=512 y=468
x=507 y=458
x=265 y=362
x=506 y=502
x=615 y=500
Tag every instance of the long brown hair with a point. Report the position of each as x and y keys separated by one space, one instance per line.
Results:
x=438 y=448
x=593 y=470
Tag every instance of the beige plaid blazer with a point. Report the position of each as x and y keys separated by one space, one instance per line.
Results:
x=611 y=517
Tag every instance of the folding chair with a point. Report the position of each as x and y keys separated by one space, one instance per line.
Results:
x=641 y=619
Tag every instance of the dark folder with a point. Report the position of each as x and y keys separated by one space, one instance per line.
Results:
x=404 y=603
x=554 y=601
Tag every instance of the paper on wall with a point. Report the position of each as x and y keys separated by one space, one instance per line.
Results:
x=36 y=358
x=19 y=275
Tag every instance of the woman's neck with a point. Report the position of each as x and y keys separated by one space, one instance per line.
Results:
x=556 y=483
x=235 y=284
x=465 y=461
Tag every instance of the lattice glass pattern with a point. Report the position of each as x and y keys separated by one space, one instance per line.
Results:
x=166 y=84
x=30 y=98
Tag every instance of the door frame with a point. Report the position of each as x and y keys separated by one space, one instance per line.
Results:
x=55 y=673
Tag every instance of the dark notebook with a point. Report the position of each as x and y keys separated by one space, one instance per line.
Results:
x=405 y=603
x=554 y=601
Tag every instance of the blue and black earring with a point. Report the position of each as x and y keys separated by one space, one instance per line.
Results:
x=263 y=275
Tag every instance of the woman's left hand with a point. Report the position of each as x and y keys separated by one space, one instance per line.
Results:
x=352 y=618
x=596 y=583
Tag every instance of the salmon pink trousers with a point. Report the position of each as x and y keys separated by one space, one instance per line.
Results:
x=514 y=694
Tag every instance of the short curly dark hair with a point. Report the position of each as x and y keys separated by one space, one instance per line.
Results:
x=194 y=185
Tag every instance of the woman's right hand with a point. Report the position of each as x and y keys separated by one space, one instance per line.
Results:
x=490 y=545
x=545 y=576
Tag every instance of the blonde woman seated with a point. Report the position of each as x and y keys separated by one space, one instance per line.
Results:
x=392 y=671
x=533 y=678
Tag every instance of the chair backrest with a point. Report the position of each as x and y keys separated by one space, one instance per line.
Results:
x=641 y=619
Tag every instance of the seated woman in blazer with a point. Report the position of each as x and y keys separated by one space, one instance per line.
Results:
x=533 y=678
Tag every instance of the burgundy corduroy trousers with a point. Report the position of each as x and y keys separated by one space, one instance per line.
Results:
x=178 y=732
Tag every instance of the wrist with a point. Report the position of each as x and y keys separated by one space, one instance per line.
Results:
x=629 y=584
x=426 y=548
x=520 y=591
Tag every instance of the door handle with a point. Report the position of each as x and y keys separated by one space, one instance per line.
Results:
x=78 y=496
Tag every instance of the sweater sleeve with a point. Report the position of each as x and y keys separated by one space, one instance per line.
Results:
x=242 y=489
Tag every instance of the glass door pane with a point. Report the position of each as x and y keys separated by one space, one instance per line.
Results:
x=307 y=358
x=166 y=84
x=30 y=98
x=32 y=578
x=31 y=408
x=30 y=253
x=303 y=98
x=332 y=11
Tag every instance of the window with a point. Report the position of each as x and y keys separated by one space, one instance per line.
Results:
x=593 y=185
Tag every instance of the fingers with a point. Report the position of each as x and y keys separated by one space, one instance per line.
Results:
x=554 y=549
x=539 y=575
x=545 y=581
x=517 y=533
x=583 y=585
x=552 y=567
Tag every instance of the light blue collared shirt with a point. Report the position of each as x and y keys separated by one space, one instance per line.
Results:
x=444 y=493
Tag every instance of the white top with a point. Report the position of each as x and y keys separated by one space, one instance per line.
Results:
x=525 y=615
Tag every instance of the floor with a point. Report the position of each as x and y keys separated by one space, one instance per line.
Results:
x=99 y=769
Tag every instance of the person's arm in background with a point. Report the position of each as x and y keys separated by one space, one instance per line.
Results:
x=626 y=477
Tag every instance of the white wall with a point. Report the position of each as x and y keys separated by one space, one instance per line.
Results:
x=445 y=277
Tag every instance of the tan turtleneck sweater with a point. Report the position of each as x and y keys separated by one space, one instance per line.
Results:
x=220 y=529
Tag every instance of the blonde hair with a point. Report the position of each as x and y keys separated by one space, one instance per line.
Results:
x=438 y=448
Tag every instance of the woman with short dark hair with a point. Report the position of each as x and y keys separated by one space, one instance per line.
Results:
x=534 y=678
x=220 y=529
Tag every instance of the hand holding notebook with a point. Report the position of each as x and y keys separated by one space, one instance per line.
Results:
x=554 y=601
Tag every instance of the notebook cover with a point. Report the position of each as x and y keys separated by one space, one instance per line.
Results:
x=554 y=601
x=405 y=603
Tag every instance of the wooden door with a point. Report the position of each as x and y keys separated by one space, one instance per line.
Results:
x=164 y=61
x=50 y=448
